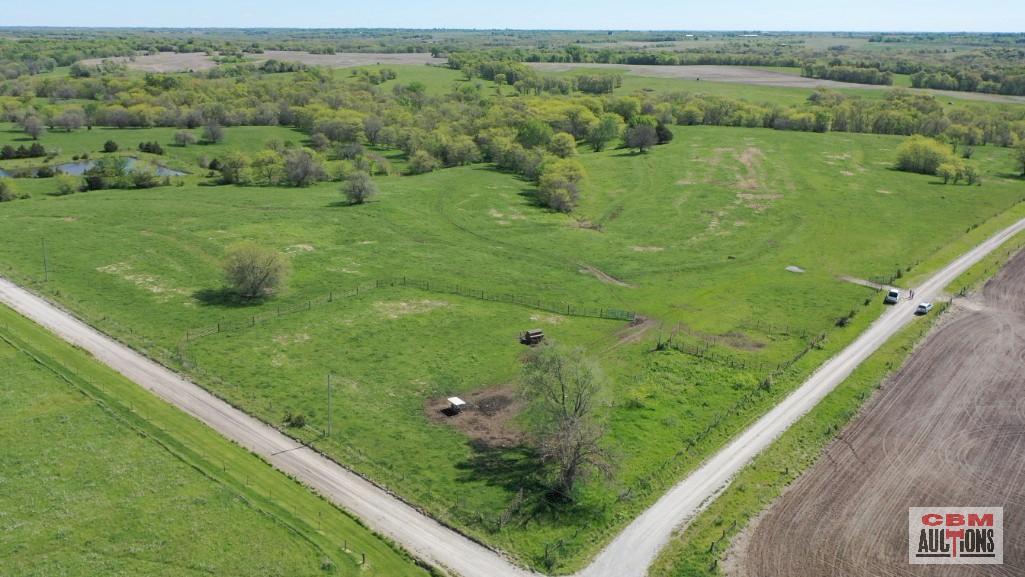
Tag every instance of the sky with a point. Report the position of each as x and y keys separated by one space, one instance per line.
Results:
x=804 y=15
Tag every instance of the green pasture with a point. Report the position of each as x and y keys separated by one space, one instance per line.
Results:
x=696 y=236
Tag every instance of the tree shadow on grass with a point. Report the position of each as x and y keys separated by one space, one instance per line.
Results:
x=224 y=297
x=519 y=471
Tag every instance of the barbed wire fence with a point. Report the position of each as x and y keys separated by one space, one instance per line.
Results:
x=277 y=311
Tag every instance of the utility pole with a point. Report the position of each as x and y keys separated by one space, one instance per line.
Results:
x=329 y=404
x=46 y=265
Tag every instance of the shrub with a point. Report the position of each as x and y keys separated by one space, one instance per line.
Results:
x=359 y=188
x=151 y=147
x=234 y=168
x=253 y=271
x=44 y=172
x=213 y=133
x=144 y=178
x=184 y=138
x=663 y=133
x=923 y=155
x=110 y=146
x=563 y=145
x=558 y=185
x=7 y=190
x=302 y=167
x=67 y=184
x=319 y=142
x=295 y=420
x=421 y=161
x=949 y=171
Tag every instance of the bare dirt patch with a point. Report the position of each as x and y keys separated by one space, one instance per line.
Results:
x=548 y=319
x=603 y=276
x=634 y=332
x=647 y=248
x=148 y=282
x=161 y=62
x=396 y=309
x=487 y=417
x=947 y=429
x=298 y=248
x=297 y=338
x=863 y=282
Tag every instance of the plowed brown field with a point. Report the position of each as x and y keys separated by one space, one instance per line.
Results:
x=947 y=430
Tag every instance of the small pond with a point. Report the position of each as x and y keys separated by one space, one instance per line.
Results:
x=79 y=167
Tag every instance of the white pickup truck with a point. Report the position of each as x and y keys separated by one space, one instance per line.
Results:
x=892 y=297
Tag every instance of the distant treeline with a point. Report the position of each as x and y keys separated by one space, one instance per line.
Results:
x=990 y=69
x=847 y=74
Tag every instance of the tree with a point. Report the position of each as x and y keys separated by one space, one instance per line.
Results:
x=213 y=133
x=302 y=167
x=184 y=138
x=372 y=126
x=234 y=168
x=607 y=129
x=563 y=145
x=534 y=133
x=1019 y=156
x=559 y=184
x=971 y=175
x=421 y=161
x=253 y=271
x=564 y=389
x=110 y=146
x=267 y=166
x=359 y=187
x=33 y=127
x=319 y=142
x=71 y=119
x=641 y=136
x=948 y=171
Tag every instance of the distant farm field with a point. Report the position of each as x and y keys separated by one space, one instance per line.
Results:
x=731 y=240
x=192 y=61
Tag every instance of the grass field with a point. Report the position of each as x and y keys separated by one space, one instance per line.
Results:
x=101 y=477
x=695 y=236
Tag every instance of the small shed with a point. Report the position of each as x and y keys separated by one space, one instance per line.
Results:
x=532 y=337
x=455 y=405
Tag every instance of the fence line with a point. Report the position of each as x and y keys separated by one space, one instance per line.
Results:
x=424 y=285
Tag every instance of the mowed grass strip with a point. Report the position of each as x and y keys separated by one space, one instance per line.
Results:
x=101 y=477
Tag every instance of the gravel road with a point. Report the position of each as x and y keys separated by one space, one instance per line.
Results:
x=629 y=554
x=948 y=429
